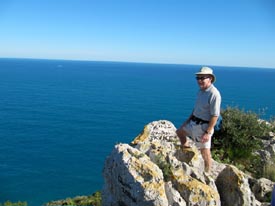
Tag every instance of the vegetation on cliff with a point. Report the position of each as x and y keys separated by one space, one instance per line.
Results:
x=9 y=203
x=92 y=200
x=239 y=140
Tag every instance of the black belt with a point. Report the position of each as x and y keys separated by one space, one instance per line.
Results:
x=198 y=120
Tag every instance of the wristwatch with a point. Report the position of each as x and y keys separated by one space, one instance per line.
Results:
x=206 y=132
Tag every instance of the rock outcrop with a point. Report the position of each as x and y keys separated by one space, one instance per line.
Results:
x=153 y=170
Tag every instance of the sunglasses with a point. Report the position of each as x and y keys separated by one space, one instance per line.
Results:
x=202 y=78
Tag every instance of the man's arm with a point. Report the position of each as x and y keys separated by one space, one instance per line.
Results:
x=211 y=124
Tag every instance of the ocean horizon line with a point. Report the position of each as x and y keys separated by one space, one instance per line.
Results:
x=134 y=62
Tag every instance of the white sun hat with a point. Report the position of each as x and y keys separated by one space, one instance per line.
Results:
x=207 y=70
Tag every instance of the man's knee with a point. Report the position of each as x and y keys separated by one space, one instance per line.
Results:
x=181 y=135
x=180 y=132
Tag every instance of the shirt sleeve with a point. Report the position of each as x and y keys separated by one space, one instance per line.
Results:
x=215 y=104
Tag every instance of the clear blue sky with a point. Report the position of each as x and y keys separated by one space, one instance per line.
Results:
x=205 y=32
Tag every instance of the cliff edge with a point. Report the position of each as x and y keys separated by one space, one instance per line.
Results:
x=153 y=170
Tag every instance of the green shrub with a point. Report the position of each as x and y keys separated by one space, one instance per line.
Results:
x=96 y=199
x=91 y=200
x=9 y=203
x=269 y=170
x=238 y=140
x=165 y=167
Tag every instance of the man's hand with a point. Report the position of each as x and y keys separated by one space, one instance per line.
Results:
x=205 y=137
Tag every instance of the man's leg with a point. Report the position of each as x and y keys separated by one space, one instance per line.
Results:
x=206 y=155
x=182 y=134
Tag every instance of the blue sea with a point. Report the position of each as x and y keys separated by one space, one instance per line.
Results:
x=60 y=119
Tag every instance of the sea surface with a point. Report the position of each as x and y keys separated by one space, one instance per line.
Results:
x=59 y=120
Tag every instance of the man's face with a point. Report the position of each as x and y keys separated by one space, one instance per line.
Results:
x=204 y=81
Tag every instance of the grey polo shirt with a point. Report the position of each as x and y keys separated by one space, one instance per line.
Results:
x=208 y=103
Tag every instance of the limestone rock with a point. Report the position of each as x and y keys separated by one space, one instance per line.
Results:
x=233 y=187
x=262 y=188
x=132 y=179
x=173 y=196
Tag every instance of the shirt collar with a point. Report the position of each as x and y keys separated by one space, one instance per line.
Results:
x=208 y=89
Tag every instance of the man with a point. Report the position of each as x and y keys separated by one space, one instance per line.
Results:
x=200 y=125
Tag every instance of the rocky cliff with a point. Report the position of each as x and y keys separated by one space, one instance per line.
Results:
x=153 y=170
